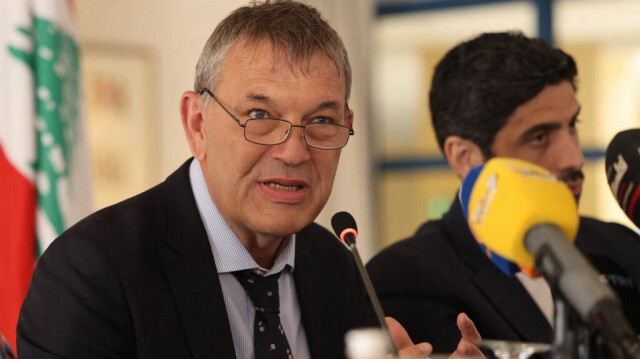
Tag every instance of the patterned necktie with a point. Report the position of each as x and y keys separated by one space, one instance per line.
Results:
x=269 y=340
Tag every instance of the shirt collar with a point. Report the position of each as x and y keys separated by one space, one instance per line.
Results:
x=228 y=252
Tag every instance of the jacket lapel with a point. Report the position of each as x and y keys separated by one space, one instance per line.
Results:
x=509 y=298
x=309 y=285
x=512 y=301
x=191 y=272
x=319 y=291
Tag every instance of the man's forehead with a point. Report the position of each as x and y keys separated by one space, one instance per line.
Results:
x=267 y=52
x=253 y=67
x=554 y=104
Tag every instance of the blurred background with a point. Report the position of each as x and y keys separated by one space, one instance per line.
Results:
x=412 y=181
x=139 y=56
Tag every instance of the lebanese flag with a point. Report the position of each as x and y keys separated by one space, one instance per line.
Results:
x=45 y=181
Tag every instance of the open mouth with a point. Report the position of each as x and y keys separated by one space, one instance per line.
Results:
x=283 y=187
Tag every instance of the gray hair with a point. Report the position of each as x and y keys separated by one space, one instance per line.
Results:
x=295 y=28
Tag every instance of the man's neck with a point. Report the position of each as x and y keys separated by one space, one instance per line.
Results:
x=263 y=249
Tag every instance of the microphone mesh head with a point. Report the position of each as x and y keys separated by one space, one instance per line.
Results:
x=624 y=142
x=623 y=172
x=341 y=221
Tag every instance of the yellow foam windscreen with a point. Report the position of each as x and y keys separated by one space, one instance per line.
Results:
x=510 y=197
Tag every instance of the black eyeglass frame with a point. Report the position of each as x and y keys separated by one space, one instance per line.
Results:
x=303 y=127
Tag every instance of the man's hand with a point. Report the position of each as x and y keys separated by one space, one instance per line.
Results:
x=403 y=342
x=470 y=341
x=467 y=347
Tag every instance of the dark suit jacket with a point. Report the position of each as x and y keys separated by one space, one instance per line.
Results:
x=138 y=280
x=426 y=280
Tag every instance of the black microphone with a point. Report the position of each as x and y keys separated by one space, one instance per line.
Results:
x=622 y=163
x=345 y=228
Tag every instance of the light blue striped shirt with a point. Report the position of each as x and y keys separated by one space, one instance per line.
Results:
x=230 y=256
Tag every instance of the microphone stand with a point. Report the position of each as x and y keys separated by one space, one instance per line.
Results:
x=571 y=337
x=598 y=311
x=373 y=297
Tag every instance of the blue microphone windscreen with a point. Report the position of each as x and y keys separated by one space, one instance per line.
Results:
x=467 y=185
x=506 y=266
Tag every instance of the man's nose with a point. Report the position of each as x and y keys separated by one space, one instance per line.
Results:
x=568 y=153
x=294 y=149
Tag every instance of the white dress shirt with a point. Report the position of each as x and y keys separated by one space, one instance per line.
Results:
x=230 y=256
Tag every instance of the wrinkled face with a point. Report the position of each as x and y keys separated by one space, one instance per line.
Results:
x=543 y=131
x=277 y=190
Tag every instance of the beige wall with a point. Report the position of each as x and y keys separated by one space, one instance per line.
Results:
x=172 y=34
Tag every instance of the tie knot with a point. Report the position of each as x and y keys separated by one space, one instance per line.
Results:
x=262 y=290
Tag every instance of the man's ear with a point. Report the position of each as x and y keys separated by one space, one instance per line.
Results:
x=193 y=123
x=350 y=118
x=462 y=154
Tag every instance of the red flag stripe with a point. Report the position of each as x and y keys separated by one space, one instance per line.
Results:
x=17 y=243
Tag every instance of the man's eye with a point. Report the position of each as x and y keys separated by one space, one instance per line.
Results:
x=538 y=139
x=258 y=114
x=573 y=127
x=321 y=120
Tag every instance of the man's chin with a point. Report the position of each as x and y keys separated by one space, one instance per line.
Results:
x=283 y=225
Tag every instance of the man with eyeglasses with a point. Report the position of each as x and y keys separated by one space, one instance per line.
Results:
x=320 y=133
x=223 y=259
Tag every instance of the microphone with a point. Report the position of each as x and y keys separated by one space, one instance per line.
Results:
x=525 y=214
x=519 y=199
x=622 y=284
x=508 y=267
x=622 y=163
x=345 y=228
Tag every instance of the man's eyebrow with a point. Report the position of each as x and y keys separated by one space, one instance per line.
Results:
x=547 y=126
x=329 y=105
x=325 y=105
x=254 y=97
x=541 y=127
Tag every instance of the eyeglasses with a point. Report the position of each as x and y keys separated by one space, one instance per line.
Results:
x=273 y=131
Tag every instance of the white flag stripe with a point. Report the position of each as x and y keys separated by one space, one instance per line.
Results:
x=58 y=11
x=44 y=230
x=68 y=179
x=17 y=108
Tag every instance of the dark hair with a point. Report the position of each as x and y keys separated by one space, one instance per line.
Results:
x=297 y=29
x=479 y=83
